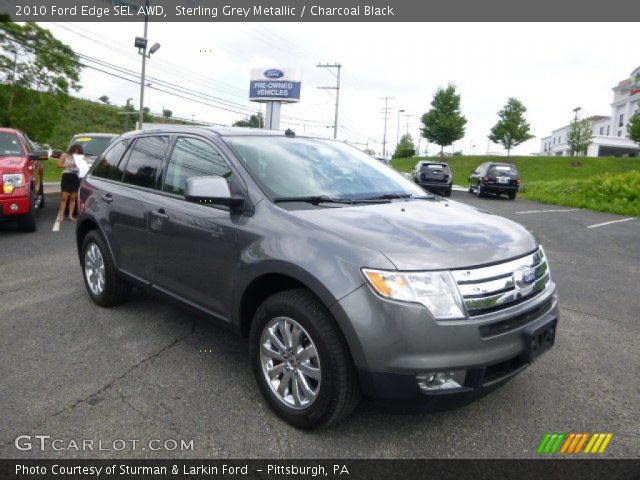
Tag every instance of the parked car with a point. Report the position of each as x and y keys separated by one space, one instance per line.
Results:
x=22 y=174
x=347 y=278
x=491 y=177
x=93 y=144
x=436 y=177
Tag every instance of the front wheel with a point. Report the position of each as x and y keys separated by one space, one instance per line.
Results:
x=27 y=222
x=103 y=285
x=301 y=362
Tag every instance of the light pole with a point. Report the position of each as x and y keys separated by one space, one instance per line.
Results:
x=141 y=44
x=398 y=128
x=575 y=120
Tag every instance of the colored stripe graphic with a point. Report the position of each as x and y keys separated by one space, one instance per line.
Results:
x=573 y=443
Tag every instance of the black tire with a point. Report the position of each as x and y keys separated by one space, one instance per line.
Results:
x=339 y=391
x=27 y=222
x=480 y=191
x=512 y=195
x=447 y=193
x=41 y=195
x=115 y=290
x=470 y=188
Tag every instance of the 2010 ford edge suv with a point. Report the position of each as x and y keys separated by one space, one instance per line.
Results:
x=347 y=278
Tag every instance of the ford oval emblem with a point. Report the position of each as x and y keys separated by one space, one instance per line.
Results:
x=274 y=73
x=525 y=276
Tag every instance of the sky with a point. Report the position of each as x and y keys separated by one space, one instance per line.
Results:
x=551 y=67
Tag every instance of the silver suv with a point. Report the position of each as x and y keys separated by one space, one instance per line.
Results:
x=346 y=277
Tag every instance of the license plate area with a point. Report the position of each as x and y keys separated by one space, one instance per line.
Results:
x=539 y=339
x=503 y=179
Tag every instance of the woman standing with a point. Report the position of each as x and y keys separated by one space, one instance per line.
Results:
x=70 y=181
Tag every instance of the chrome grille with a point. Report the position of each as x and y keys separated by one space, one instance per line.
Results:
x=492 y=288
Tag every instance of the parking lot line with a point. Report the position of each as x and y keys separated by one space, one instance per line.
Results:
x=609 y=223
x=549 y=210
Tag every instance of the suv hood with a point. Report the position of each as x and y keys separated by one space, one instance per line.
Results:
x=426 y=234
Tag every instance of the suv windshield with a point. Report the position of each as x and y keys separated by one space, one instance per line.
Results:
x=92 y=146
x=308 y=167
x=9 y=144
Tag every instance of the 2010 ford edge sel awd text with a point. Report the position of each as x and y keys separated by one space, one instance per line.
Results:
x=347 y=278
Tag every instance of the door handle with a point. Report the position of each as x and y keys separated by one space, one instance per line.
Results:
x=107 y=198
x=160 y=213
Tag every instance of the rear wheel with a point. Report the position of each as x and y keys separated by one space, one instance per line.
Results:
x=480 y=191
x=41 y=196
x=470 y=188
x=103 y=285
x=301 y=362
x=447 y=193
x=512 y=195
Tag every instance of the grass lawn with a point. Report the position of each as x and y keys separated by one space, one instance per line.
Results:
x=606 y=184
x=51 y=172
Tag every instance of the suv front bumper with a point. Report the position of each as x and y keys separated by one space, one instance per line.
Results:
x=394 y=342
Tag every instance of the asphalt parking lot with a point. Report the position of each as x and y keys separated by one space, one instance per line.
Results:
x=146 y=370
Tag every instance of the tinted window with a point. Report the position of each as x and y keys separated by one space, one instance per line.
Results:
x=108 y=166
x=93 y=146
x=504 y=170
x=10 y=145
x=145 y=160
x=192 y=158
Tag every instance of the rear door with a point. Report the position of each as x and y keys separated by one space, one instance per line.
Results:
x=131 y=201
x=194 y=246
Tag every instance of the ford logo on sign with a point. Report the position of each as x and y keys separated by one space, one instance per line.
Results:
x=273 y=73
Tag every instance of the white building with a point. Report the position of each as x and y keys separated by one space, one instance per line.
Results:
x=610 y=135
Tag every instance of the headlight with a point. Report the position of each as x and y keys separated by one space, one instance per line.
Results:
x=11 y=181
x=435 y=290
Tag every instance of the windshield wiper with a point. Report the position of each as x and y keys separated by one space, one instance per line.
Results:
x=394 y=196
x=317 y=199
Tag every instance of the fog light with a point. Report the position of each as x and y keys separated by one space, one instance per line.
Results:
x=440 y=380
x=13 y=207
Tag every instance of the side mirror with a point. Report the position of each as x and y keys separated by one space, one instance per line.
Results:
x=212 y=190
x=39 y=155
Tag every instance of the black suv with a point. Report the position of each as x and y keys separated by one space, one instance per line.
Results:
x=434 y=177
x=497 y=178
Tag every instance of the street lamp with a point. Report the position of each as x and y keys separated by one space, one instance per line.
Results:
x=398 y=128
x=141 y=44
x=575 y=111
x=407 y=117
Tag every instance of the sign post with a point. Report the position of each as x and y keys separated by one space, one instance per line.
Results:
x=274 y=86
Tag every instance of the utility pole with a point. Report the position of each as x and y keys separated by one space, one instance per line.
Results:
x=385 y=111
x=407 y=117
x=337 y=66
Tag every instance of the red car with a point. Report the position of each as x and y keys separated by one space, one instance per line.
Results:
x=22 y=174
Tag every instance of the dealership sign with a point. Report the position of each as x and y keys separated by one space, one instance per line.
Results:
x=275 y=85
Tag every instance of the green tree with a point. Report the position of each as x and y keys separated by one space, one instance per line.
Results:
x=254 y=121
x=511 y=129
x=633 y=127
x=406 y=148
x=40 y=71
x=104 y=99
x=167 y=113
x=580 y=135
x=444 y=123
